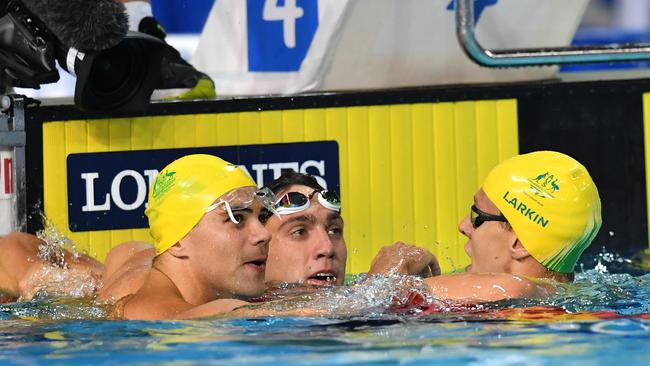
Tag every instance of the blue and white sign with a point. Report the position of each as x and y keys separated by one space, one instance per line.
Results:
x=108 y=191
x=269 y=46
x=258 y=47
x=280 y=33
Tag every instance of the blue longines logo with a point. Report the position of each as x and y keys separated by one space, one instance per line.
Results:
x=280 y=33
x=479 y=6
x=108 y=191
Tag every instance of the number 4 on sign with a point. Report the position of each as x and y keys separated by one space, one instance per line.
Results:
x=479 y=6
x=287 y=14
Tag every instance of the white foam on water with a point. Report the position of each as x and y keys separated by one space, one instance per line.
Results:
x=371 y=296
x=56 y=278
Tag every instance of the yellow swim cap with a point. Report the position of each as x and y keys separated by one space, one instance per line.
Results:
x=551 y=203
x=182 y=192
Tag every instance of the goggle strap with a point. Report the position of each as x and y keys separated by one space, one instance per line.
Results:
x=214 y=206
x=232 y=217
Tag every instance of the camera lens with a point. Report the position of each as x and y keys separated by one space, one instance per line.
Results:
x=112 y=70
x=120 y=78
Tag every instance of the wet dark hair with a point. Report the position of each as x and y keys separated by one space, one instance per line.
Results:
x=290 y=178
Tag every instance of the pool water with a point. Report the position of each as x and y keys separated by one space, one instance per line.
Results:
x=603 y=318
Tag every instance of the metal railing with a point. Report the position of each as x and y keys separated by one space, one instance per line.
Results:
x=12 y=137
x=538 y=56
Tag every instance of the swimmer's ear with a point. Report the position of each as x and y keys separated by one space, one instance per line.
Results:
x=517 y=251
x=178 y=250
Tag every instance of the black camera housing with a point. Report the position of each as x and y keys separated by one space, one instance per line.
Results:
x=118 y=79
x=121 y=78
x=26 y=50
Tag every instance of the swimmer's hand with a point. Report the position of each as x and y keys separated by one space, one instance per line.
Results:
x=401 y=258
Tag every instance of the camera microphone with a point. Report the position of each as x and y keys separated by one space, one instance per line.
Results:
x=88 y=25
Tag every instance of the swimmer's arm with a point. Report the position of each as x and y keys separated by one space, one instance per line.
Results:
x=139 y=308
x=483 y=287
x=239 y=308
x=213 y=308
x=254 y=310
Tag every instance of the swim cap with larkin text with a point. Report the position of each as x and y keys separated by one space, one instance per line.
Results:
x=552 y=204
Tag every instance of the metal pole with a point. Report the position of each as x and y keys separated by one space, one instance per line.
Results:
x=12 y=135
x=465 y=32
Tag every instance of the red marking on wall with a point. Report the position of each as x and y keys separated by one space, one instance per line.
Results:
x=7 y=175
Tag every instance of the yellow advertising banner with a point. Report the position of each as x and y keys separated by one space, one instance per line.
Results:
x=406 y=172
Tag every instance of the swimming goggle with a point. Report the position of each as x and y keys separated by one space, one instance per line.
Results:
x=242 y=198
x=292 y=202
x=478 y=217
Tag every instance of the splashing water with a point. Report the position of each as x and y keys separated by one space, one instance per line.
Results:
x=369 y=296
x=57 y=278
x=54 y=245
x=596 y=289
x=606 y=262
x=53 y=282
x=515 y=337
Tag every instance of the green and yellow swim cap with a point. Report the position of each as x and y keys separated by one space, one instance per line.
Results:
x=182 y=192
x=551 y=203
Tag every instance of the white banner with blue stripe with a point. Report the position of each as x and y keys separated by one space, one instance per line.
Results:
x=289 y=46
x=268 y=46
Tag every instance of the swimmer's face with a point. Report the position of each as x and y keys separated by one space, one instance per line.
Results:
x=228 y=259
x=306 y=246
x=489 y=245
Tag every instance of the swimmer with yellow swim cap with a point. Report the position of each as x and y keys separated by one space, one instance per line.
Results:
x=532 y=219
x=210 y=246
x=209 y=251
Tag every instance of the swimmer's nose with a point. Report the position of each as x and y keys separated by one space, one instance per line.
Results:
x=465 y=227
x=323 y=245
x=261 y=235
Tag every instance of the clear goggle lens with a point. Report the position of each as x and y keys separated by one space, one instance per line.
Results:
x=243 y=198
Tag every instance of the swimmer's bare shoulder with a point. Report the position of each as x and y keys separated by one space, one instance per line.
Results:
x=140 y=293
x=159 y=299
x=481 y=287
x=125 y=270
